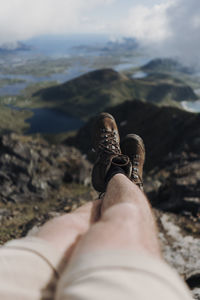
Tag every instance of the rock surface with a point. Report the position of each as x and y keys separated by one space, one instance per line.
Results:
x=181 y=248
x=31 y=169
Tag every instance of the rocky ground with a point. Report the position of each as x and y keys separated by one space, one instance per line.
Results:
x=39 y=181
x=175 y=193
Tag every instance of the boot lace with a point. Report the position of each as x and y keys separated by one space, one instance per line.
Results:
x=109 y=142
x=135 y=171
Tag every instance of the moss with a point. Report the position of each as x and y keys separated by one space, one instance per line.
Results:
x=12 y=120
x=9 y=81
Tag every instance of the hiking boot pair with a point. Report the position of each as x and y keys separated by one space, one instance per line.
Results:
x=111 y=158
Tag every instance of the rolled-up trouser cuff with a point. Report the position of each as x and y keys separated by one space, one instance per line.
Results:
x=37 y=246
x=29 y=269
x=120 y=275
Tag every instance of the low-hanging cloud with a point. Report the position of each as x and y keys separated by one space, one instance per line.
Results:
x=184 y=26
x=23 y=19
x=169 y=29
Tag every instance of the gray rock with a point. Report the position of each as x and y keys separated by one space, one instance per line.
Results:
x=32 y=168
x=180 y=248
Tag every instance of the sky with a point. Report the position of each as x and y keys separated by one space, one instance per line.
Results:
x=170 y=27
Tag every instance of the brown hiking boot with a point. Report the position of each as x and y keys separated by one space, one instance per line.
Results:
x=106 y=143
x=133 y=147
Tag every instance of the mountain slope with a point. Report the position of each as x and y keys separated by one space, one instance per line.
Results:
x=164 y=130
x=166 y=65
x=89 y=93
x=95 y=91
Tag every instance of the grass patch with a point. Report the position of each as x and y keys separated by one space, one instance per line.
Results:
x=12 y=120
x=9 y=81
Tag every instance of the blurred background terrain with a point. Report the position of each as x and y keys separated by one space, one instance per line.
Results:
x=139 y=62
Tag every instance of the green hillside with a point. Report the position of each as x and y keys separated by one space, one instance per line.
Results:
x=166 y=65
x=93 y=92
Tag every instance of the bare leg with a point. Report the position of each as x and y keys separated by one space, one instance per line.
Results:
x=107 y=262
x=126 y=223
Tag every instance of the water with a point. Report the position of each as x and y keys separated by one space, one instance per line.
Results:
x=197 y=92
x=12 y=89
x=71 y=73
x=55 y=47
x=193 y=106
x=139 y=74
x=64 y=46
x=47 y=120
x=134 y=62
x=17 y=88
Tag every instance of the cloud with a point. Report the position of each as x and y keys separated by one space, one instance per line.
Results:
x=22 y=19
x=147 y=24
x=184 y=25
x=168 y=29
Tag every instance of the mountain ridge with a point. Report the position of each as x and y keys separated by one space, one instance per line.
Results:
x=95 y=91
x=164 y=129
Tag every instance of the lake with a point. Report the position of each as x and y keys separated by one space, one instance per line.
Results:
x=17 y=88
x=139 y=75
x=75 y=71
x=192 y=106
x=47 y=120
